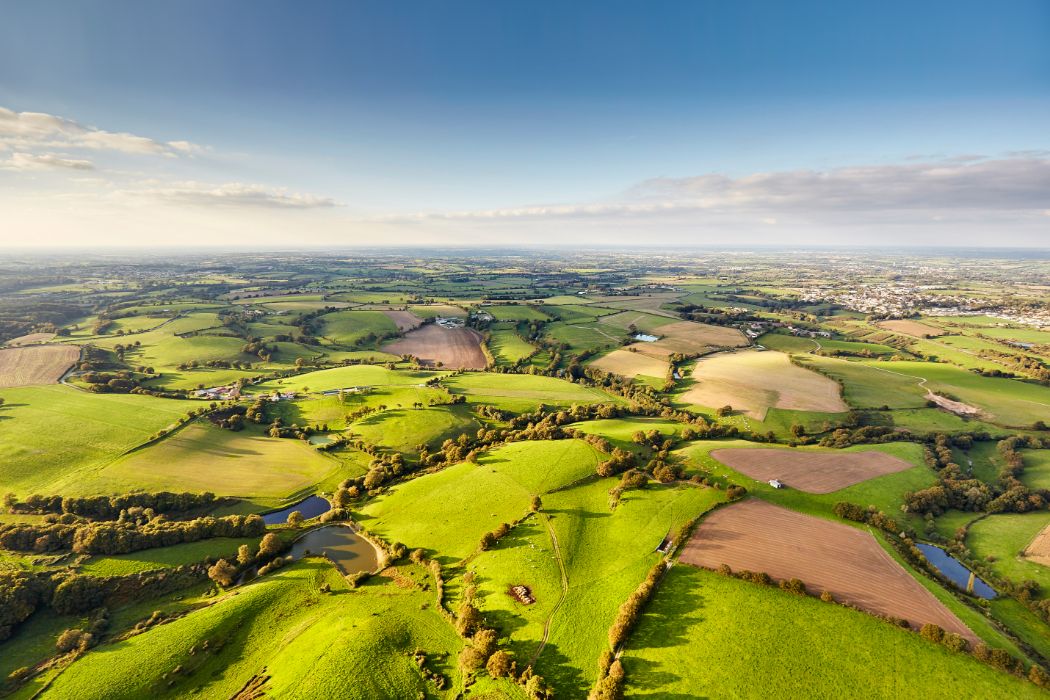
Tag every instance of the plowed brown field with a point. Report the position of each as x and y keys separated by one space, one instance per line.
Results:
x=455 y=348
x=757 y=536
x=404 y=320
x=812 y=472
x=36 y=364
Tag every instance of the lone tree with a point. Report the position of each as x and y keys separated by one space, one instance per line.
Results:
x=536 y=504
x=295 y=518
x=500 y=665
x=223 y=573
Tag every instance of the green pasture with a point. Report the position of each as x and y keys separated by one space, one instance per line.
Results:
x=405 y=429
x=50 y=435
x=1000 y=539
x=347 y=643
x=344 y=378
x=508 y=347
x=353 y=327
x=447 y=512
x=865 y=386
x=516 y=312
x=709 y=635
x=166 y=557
x=584 y=335
x=202 y=457
x=523 y=392
x=1011 y=402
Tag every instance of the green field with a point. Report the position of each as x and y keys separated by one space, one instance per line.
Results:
x=202 y=457
x=523 y=392
x=508 y=347
x=865 y=386
x=350 y=643
x=343 y=378
x=1036 y=473
x=701 y=636
x=1000 y=539
x=582 y=335
x=1009 y=401
x=518 y=312
x=51 y=435
x=166 y=557
x=404 y=429
x=447 y=512
x=353 y=327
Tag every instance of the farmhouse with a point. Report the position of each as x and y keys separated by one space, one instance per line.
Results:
x=449 y=322
x=646 y=338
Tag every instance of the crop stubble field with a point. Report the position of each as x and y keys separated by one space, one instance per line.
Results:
x=757 y=381
x=458 y=348
x=809 y=471
x=41 y=364
x=848 y=562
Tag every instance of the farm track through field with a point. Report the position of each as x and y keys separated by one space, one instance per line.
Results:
x=564 y=591
x=929 y=392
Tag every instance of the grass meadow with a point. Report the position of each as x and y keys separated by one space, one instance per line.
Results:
x=50 y=435
x=708 y=635
x=350 y=643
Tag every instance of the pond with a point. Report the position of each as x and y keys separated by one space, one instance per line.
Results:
x=350 y=552
x=310 y=508
x=955 y=571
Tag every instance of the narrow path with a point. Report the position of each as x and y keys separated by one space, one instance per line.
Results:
x=564 y=591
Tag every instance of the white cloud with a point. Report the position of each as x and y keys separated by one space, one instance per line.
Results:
x=43 y=161
x=1020 y=184
x=30 y=130
x=228 y=194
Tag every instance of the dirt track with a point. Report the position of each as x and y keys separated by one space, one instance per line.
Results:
x=812 y=472
x=37 y=364
x=849 y=562
x=455 y=348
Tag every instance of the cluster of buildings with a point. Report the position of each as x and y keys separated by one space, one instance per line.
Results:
x=449 y=322
x=219 y=393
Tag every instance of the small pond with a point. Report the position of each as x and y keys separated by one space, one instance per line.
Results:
x=310 y=508
x=350 y=552
x=319 y=439
x=955 y=571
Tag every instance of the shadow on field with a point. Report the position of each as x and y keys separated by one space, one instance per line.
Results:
x=665 y=624
x=559 y=672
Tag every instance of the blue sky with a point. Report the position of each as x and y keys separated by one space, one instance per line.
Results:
x=450 y=122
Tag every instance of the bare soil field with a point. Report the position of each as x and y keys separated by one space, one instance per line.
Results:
x=849 y=563
x=455 y=348
x=30 y=339
x=754 y=382
x=915 y=328
x=40 y=364
x=404 y=320
x=1038 y=550
x=689 y=337
x=957 y=407
x=631 y=364
x=812 y=472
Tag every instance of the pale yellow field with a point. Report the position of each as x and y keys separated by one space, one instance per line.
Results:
x=919 y=330
x=754 y=382
x=631 y=364
x=690 y=337
x=1038 y=550
x=37 y=364
x=30 y=339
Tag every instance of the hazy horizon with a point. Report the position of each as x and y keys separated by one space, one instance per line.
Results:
x=756 y=123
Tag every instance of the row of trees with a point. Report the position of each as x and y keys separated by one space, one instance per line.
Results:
x=121 y=537
x=110 y=507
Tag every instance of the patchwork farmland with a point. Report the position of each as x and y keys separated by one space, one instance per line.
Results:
x=827 y=556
